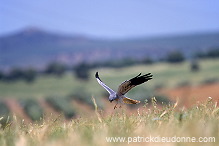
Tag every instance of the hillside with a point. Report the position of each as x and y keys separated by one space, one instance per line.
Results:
x=36 y=47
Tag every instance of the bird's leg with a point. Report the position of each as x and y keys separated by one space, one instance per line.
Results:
x=115 y=106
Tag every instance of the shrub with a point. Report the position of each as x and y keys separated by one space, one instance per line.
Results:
x=1 y=75
x=81 y=98
x=32 y=109
x=29 y=75
x=213 y=53
x=210 y=81
x=82 y=71
x=175 y=57
x=194 y=66
x=147 y=60
x=210 y=53
x=55 y=68
x=85 y=98
x=62 y=105
x=15 y=74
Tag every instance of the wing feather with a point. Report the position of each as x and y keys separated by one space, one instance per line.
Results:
x=108 y=89
x=129 y=84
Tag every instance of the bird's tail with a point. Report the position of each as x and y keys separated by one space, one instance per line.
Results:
x=130 y=101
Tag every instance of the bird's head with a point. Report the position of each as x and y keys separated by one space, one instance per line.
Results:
x=111 y=98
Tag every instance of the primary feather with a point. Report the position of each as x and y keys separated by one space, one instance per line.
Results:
x=129 y=84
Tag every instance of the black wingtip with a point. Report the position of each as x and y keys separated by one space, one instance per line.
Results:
x=96 y=75
x=148 y=76
x=138 y=75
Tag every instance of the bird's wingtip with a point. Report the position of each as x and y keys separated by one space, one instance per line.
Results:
x=96 y=75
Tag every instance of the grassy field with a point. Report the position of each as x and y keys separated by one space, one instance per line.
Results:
x=111 y=127
x=196 y=126
x=165 y=75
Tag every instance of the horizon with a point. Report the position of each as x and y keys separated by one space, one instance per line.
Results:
x=39 y=29
x=111 y=19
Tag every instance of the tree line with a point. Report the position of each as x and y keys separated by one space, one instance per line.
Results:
x=81 y=70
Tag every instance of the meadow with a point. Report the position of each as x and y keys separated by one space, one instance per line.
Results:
x=149 y=126
x=68 y=124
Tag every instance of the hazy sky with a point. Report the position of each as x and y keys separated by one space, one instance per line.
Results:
x=111 y=18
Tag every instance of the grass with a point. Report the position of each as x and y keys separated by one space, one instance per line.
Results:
x=199 y=121
x=4 y=113
x=63 y=105
x=168 y=121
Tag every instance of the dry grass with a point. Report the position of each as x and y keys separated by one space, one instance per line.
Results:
x=200 y=121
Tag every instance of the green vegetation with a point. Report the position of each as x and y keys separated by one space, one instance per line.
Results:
x=69 y=88
x=199 y=121
x=165 y=75
x=28 y=75
x=211 y=53
x=210 y=80
x=175 y=57
x=194 y=66
x=165 y=120
x=55 y=68
x=32 y=109
x=62 y=105
x=84 y=98
x=82 y=71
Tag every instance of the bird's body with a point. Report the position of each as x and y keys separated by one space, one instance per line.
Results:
x=127 y=85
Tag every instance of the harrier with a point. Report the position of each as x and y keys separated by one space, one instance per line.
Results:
x=127 y=85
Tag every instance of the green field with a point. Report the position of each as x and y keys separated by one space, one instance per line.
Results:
x=134 y=127
x=196 y=126
x=165 y=75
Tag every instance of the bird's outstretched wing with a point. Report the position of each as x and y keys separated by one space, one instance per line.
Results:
x=108 y=89
x=130 y=101
x=129 y=84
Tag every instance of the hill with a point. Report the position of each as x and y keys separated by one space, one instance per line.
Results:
x=36 y=47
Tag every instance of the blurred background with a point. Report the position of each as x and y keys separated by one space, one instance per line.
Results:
x=50 y=51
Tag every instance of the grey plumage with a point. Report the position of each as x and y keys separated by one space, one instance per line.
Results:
x=124 y=88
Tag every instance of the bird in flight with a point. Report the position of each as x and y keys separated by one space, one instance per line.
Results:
x=127 y=85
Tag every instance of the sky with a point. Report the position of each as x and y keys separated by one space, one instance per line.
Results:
x=111 y=18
